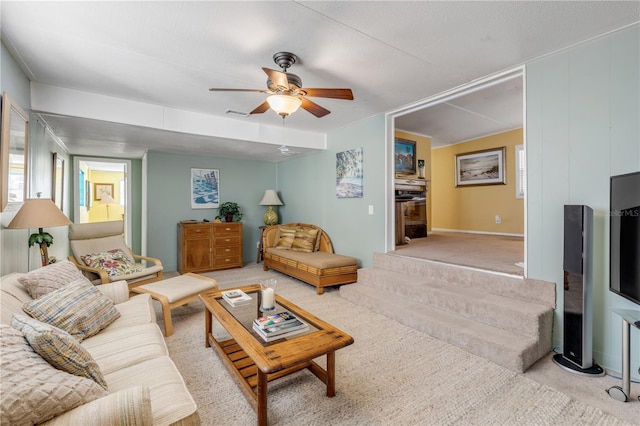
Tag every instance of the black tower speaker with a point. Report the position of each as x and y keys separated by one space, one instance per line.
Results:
x=578 y=292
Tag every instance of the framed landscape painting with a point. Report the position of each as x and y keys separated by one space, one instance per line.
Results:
x=205 y=188
x=481 y=168
x=349 y=173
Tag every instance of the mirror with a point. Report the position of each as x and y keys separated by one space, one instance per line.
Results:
x=13 y=147
x=57 y=190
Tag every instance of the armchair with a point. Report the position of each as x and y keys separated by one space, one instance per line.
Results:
x=102 y=237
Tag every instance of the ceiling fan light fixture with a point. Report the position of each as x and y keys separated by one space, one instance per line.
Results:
x=284 y=105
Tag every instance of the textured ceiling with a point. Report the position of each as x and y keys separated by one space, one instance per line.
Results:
x=390 y=54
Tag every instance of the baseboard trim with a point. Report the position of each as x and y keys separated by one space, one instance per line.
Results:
x=462 y=231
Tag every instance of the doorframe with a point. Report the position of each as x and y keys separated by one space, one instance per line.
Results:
x=474 y=86
x=127 y=177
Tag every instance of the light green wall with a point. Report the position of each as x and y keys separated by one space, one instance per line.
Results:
x=308 y=188
x=583 y=109
x=169 y=188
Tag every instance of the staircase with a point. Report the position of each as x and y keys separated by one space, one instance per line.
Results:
x=503 y=318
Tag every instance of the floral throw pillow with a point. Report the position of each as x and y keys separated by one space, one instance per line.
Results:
x=114 y=262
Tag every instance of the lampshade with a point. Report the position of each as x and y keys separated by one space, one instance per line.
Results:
x=270 y=198
x=38 y=213
x=284 y=104
x=107 y=199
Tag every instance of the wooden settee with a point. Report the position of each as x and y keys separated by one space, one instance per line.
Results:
x=321 y=268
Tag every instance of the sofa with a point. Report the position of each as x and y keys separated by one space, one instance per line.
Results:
x=305 y=252
x=139 y=384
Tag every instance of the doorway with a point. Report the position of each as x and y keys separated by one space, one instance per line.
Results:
x=459 y=120
x=102 y=191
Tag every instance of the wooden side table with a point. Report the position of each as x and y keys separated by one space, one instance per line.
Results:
x=259 y=257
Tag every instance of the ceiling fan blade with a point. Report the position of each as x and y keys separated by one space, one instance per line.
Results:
x=277 y=77
x=260 y=108
x=345 y=94
x=314 y=108
x=214 y=89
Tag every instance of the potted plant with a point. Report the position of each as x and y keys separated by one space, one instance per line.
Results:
x=230 y=211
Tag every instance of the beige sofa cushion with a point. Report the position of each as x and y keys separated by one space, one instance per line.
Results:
x=78 y=308
x=170 y=399
x=58 y=348
x=31 y=390
x=49 y=278
x=13 y=297
x=130 y=407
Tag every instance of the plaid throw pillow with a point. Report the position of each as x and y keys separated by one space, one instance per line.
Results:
x=114 y=262
x=78 y=308
x=58 y=348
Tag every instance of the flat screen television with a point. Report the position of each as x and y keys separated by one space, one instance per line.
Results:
x=405 y=157
x=624 y=253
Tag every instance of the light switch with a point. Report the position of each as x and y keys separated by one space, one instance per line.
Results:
x=370 y=209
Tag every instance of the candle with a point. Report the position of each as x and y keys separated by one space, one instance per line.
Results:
x=268 y=298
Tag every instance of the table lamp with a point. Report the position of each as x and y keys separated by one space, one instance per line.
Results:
x=39 y=213
x=270 y=199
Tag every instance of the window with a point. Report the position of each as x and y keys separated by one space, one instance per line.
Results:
x=521 y=171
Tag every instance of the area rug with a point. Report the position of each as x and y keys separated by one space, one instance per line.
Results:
x=391 y=374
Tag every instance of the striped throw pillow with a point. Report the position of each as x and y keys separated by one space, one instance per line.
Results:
x=305 y=240
x=58 y=348
x=78 y=308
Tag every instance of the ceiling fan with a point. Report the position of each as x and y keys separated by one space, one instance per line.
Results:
x=287 y=93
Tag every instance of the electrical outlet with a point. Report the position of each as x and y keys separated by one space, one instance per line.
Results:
x=498 y=219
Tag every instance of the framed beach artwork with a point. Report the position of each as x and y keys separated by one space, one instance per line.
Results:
x=481 y=168
x=349 y=173
x=102 y=189
x=205 y=188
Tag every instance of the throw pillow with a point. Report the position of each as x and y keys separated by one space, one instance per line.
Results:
x=114 y=262
x=58 y=348
x=285 y=237
x=305 y=240
x=49 y=278
x=32 y=390
x=78 y=308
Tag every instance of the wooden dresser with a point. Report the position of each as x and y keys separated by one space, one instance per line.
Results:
x=208 y=246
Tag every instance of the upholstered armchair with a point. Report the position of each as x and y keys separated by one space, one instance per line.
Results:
x=100 y=252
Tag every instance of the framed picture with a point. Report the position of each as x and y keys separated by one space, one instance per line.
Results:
x=405 y=157
x=349 y=173
x=205 y=188
x=102 y=189
x=481 y=168
x=57 y=181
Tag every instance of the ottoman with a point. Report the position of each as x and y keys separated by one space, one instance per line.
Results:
x=174 y=292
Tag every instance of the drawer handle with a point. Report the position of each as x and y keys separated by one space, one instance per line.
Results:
x=227 y=229
x=198 y=230
x=227 y=260
x=228 y=250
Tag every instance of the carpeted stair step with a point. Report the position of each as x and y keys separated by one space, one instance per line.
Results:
x=511 y=314
x=505 y=348
x=534 y=291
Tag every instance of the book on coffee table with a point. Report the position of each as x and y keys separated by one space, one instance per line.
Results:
x=280 y=331
x=236 y=297
x=275 y=319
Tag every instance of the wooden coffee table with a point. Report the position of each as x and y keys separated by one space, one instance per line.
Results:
x=253 y=362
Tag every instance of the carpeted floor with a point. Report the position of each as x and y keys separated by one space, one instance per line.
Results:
x=490 y=252
x=391 y=374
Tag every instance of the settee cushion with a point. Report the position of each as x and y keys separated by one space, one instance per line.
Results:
x=31 y=390
x=319 y=260
x=284 y=237
x=58 y=348
x=305 y=240
x=78 y=308
x=49 y=278
x=114 y=262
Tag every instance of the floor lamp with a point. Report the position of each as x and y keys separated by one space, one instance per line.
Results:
x=39 y=213
x=107 y=199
